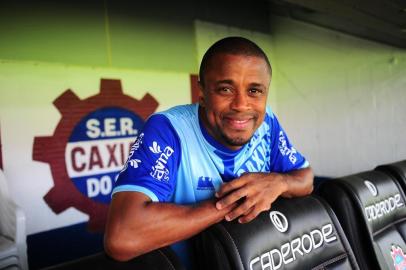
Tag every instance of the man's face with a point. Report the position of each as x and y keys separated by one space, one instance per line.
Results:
x=234 y=97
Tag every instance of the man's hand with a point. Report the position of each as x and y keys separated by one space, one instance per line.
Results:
x=255 y=192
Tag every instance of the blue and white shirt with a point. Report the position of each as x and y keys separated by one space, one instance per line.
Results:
x=174 y=159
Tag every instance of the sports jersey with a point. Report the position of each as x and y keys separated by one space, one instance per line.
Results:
x=174 y=158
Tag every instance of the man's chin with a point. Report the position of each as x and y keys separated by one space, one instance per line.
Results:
x=237 y=141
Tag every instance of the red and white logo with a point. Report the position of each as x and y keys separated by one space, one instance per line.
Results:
x=89 y=147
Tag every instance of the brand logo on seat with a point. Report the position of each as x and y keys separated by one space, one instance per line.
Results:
x=371 y=187
x=279 y=221
x=295 y=248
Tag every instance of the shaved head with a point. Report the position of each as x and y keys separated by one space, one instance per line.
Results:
x=234 y=46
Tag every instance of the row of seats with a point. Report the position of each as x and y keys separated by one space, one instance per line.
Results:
x=353 y=222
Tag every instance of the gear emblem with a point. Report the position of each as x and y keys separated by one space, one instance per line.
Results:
x=89 y=147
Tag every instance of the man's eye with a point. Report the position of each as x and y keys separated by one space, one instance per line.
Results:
x=224 y=90
x=255 y=91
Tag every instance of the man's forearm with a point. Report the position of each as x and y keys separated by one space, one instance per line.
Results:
x=299 y=183
x=137 y=226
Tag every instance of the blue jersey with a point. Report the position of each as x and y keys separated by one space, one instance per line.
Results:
x=174 y=159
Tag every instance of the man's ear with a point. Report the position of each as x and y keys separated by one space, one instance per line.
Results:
x=201 y=95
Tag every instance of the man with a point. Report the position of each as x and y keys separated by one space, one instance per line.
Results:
x=195 y=165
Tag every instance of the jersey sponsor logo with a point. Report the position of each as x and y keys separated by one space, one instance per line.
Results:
x=399 y=258
x=205 y=183
x=383 y=207
x=132 y=162
x=136 y=144
x=371 y=187
x=279 y=221
x=159 y=170
x=288 y=252
x=285 y=150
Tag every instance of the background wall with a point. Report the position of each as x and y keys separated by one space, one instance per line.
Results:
x=341 y=99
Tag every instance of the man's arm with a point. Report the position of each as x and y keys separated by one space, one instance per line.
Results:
x=136 y=225
x=259 y=190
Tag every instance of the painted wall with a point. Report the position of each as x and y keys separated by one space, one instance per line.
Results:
x=342 y=99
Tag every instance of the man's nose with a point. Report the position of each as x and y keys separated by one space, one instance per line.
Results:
x=240 y=102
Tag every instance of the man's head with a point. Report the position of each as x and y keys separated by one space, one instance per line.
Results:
x=234 y=80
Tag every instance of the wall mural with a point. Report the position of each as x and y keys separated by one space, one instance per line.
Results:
x=89 y=147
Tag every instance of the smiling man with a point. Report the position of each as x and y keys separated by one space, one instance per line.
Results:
x=195 y=165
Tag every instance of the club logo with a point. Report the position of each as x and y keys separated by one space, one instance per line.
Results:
x=279 y=221
x=205 y=183
x=90 y=146
x=399 y=258
x=371 y=187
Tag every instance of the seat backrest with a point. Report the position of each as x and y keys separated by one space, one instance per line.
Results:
x=397 y=170
x=298 y=233
x=160 y=259
x=371 y=209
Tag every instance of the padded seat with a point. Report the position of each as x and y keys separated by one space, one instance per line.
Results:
x=161 y=259
x=298 y=233
x=397 y=170
x=371 y=209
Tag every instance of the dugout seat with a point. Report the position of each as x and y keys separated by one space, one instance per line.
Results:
x=160 y=259
x=298 y=233
x=371 y=209
x=397 y=170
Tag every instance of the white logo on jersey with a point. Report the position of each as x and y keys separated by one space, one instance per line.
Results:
x=155 y=148
x=284 y=149
x=137 y=144
x=159 y=170
x=134 y=163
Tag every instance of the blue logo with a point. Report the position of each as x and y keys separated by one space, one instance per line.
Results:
x=205 y=183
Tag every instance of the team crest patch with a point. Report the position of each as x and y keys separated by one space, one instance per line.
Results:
x=399 y=259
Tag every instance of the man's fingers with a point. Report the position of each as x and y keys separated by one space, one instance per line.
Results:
x=255 y=211
x=244 y=208
x=231 y=198
x=230 y=186
x=250 y=216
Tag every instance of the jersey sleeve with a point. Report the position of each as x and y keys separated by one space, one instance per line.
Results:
x=284 y=157
x=151 y=167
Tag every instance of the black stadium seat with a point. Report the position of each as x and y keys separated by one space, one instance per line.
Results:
x=397 y=170
x=161 y=259
x=371 y=209
x=299 y=233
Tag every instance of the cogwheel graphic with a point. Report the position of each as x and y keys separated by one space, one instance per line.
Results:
x=89 y=146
